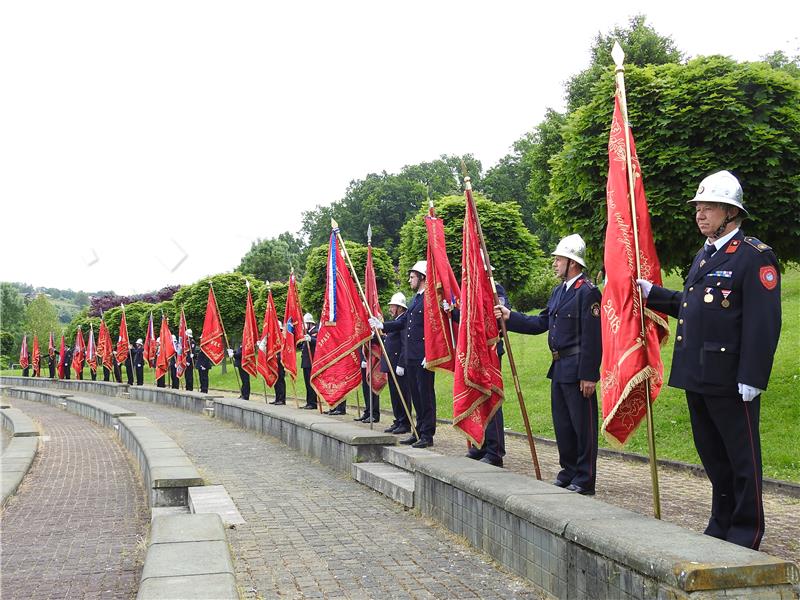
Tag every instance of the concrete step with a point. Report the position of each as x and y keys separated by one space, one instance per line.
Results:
x=390 y=481
x=159 y=511
x=214 y=499
x=403 y=457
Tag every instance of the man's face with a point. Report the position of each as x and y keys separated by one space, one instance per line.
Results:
x=709 y=216
x=560 y=266
x=414 y=280
x=395 y=310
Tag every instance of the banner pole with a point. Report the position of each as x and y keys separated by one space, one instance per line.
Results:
x=619 y=73
x=380 y=341
x=511 y=362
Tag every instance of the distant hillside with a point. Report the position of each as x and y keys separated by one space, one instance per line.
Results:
x=68 y=302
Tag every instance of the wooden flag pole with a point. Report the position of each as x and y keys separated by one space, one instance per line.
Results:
x=619 y=56
x=511 y=363
x=380 y=341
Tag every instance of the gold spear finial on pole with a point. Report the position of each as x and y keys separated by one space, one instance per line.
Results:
x=619 y=73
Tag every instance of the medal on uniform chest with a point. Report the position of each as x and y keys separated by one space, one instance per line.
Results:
x=725 y=302
x=709 y=297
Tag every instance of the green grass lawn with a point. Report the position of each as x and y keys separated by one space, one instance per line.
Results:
x=780 y=405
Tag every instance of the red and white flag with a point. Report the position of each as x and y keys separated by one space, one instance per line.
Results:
x=104 y=341
x=184 y=347
x=24 y=358
x=478 y=383
x=293 y=328
x=441 y=284
x=212 y=337
x=150 y=350
x=629 y=361
x=345 y=326
x=51 y=346
x=62 y=362
x=270 y=344
x=91 y=350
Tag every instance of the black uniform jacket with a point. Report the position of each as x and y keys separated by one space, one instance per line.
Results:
x=572 y=320
x=306 y=359
x=729 y=319
x=393 y=342
x=412 y=328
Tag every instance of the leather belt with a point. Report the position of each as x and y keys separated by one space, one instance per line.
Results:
x=565 y=352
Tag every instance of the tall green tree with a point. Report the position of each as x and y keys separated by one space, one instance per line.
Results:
x=689 y=121
x=268 y=259
x=41 y=317
x=12 y=318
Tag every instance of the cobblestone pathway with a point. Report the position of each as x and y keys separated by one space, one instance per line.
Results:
x=312 y=533
x=73 y=528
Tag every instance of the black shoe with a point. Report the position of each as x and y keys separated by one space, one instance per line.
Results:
x=561 y=484
x=423 y=443
x=372 y=420
x=490 y=460
x=475 y=454
x=579 y=490
x=391 y=428
x=308 y=407
x=401 y=430
x=409 y=440
x=361 y=418
x=279 y=403
x=336 y=412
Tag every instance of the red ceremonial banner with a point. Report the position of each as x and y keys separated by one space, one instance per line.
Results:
x=91 y=350
x=24 y=358
x=166 y=348
x=372 y=351
x=440 y=279
x=211 y=340
x=124 y=343
x=101 y=342
x=37 y=357
x=62 y=366
x=478 y=383
x=150 y=350
x=270 y=344
x=293 y=328
x=78 y=354
x=345 y=326
x=628 y=360
x=108 y=346
x=249 y=337
x=184 y=347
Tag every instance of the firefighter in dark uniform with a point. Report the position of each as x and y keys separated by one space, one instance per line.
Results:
x=173 y=366
x=203 y=367
x=420 y=379
x=394 y=348
x=729 y=322
x=67 y=362
x=188 y=374
x=280 y=383
x=129 y=367
x=138 y=361
x=307 y=348
x=52 y=363
x=572 y=320
x=244 y=375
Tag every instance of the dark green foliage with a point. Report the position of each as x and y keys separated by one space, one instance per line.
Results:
x=273 y=259
x=689 y=121
x=513 y=250
x=279 y=292
x=312 y=288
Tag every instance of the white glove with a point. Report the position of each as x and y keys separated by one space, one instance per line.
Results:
x=307 y=338
x=400 y=371
x=446 y=306
x=423 y=363
x=262 y=345
x=230 y=352
x=646 y=286
x=375 y=323
x=748 y=392
x=363 y=364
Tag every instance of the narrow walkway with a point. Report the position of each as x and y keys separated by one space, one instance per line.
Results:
x=311 y=533
x=74 y=527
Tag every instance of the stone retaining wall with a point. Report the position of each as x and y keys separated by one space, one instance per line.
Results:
x=102 y=388
x=191 y=401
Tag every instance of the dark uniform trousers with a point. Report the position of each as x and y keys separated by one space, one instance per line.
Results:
x=419 y=380
x=306 y=361
x=370 y=394
x=129 y=368
x=394 y=348
x=189 y=377
x=106 y=373
x=244 y=375
x=202 y=374
x=572 y=320
x=280 y=383
x=311 y=395
x=173 y=374
x=93 y=373
x=729 y=321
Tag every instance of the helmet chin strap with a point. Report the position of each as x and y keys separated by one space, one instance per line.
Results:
x=565 y=276
x=721 y=229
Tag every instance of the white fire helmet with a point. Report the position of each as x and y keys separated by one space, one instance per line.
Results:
x=722 y=187
x=398 y=299
x=307 y=318
x=421 y=267
x=572 y=247
x=189 y=333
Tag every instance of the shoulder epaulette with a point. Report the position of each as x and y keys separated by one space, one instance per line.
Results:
x=756 y=243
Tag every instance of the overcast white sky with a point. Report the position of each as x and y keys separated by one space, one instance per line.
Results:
x=132 y=131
